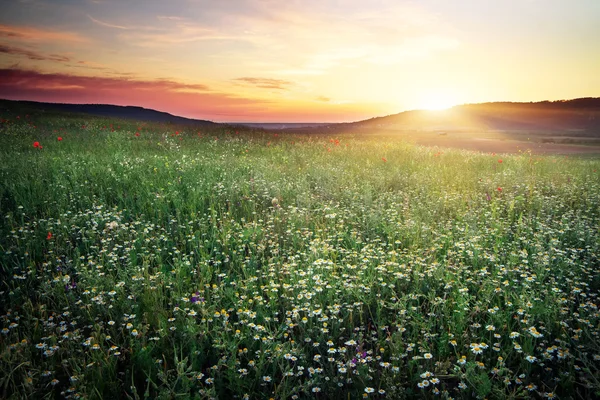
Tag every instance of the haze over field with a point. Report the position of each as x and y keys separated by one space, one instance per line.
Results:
x=297 y=61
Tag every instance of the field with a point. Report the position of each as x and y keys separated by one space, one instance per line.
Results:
x=160 y=261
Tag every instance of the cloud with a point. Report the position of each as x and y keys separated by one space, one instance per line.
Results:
x=90 y=65
x=313 y=37
x=169 y=18
x=323 y=98
x=265 y=83
x=180 y=33
x=32 y=55
x=32 y=79
x=24 y=33
x=193 y=100
x=106 y=24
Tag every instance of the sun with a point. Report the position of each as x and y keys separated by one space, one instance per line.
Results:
x=437 y=101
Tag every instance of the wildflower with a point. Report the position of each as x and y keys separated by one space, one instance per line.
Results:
x=428 y=356
x=534 y=332
x=49 y=236
x=477 y=348
x=266 y=378
x=423 y=384
x=517 y=346
x=37 y=145
x=369 y=390
x=59 y=138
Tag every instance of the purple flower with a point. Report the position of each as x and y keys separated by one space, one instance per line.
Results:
x=196 y=298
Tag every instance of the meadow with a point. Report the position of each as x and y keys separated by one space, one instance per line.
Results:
x=148 y=261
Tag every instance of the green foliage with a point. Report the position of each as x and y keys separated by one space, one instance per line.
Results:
x=227 y=262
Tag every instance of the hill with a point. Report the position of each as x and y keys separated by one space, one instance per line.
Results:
x=550 y=116
x=105 y=110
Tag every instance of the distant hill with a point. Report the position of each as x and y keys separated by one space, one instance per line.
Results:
x=106 y=110
x=282 y=125
x=577 y=115
x=568 y=115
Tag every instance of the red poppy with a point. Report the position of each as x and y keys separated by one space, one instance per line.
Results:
x=499 y=189
x=37 y=145
x=59 y=138
x=384 y=159
x=49 y=236
x=137 y=134
x=500 y=161
x=177 y=132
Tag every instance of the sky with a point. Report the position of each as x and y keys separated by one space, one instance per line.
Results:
x=298 y=60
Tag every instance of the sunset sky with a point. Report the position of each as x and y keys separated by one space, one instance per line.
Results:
x=298 y=61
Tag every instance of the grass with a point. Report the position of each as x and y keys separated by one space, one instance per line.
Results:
x=156 y=261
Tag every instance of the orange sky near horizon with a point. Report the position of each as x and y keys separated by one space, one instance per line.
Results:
x=297 y=61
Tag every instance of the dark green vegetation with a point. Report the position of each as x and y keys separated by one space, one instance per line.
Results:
x=154 y=261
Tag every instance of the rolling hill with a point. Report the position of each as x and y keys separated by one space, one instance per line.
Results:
x=570 y=115
x=105 y=110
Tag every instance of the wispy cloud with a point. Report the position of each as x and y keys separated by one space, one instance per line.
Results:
x=169 y=18
x=25 y=33
x=180 y=33
x=31 y=54
x=265 y=83
x=106 y=24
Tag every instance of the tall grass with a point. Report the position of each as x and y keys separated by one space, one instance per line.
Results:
x=229 y=263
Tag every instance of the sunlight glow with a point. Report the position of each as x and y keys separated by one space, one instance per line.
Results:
x=437 y=101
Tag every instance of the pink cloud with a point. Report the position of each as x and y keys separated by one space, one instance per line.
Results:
x=192 y=100
x=31 y=54
x=26 y=33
